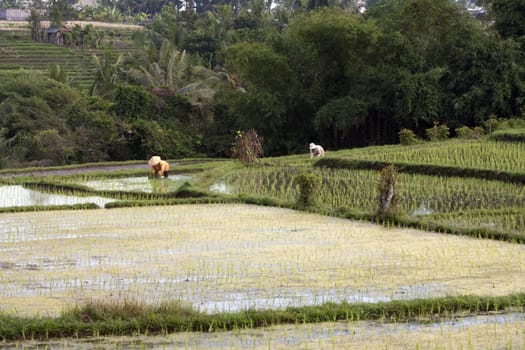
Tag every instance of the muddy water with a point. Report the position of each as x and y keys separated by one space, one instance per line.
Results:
x=232 y=257
x=139 y=184
x=503 y=331
x=220 y=187
x=17 y=196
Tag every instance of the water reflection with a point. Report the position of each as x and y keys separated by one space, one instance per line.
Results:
x=18 y=196
x=139 y=184
x=221 y=187
x=159 y=185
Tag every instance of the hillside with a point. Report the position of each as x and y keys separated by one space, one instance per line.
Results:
x=18 y=53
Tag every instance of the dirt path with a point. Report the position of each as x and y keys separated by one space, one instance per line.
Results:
x=10 y=25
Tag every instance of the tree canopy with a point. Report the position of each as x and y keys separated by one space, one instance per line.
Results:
x=295 y=72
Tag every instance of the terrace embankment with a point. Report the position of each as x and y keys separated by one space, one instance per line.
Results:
x=78 y=170
x=499 y=331
x=90 y=168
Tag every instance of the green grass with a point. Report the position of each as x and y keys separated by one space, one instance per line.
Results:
x=431 y=199
x=135 y=318
x=483 y=154
x=510 y=220
x=356 y=189
x=512 y=135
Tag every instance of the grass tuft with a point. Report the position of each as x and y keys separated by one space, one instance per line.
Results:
x=132 y=317
x=95 y=311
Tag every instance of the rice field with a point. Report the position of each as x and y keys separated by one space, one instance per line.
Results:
x=480 y=154
x=18 y=196
x=512 y=221
x=356 y=189
x=231 y=257
x=236 y=257
x=457 y=202
x=479 y=332
x=20 y=53
x=138 y=184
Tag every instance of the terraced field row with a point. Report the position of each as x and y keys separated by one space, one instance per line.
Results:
x=18 y=54
x=474 y=154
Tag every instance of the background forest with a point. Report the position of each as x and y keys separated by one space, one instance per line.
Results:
x=297 y=72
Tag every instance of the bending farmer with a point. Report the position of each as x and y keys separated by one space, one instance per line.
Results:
x=158 y=166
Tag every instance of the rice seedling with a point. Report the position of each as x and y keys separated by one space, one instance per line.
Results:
x=137 y=184
x=482 y=154
x=233 y=257
x=478 y=332
x=356 y=189
x=505 y=220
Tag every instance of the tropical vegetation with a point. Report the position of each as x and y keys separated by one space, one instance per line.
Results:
x=194 y=74
x=418 y=104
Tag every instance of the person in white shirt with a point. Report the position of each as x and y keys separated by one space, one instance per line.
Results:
x=316 y=150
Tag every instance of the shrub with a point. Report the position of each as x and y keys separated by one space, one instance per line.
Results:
x=247 y=146
x=478 y=131
x=516 y=123
x=308 y=184
x=133 y=102
x=387 y=192
x=465 y=132
x=437 y=132
x=513 y=123
x=407 y=137
x=491 y=124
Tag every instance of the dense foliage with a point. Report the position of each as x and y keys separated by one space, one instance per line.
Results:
x=319 y=72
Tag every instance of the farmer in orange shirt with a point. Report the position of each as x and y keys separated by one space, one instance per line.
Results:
x=158 y=166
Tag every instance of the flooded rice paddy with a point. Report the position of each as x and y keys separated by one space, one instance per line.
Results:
x=231 y=257
x=479 y=332
x=18 y=196
x=139 y=184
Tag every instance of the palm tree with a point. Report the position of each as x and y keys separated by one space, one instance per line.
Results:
x=107 y=74
x=56 y=72
x=166 y=69
x=170 y=71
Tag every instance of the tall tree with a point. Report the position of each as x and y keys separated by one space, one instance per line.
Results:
x=509 y=17
x=60 y=10
x=330 y=53
x=446 y=63
x=35 y=24
x=335 y=120
x=270 y=83
x=30 y=108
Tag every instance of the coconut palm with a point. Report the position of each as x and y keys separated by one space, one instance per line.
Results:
x=58 y=73
x=166 y=69
x=108 y=70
